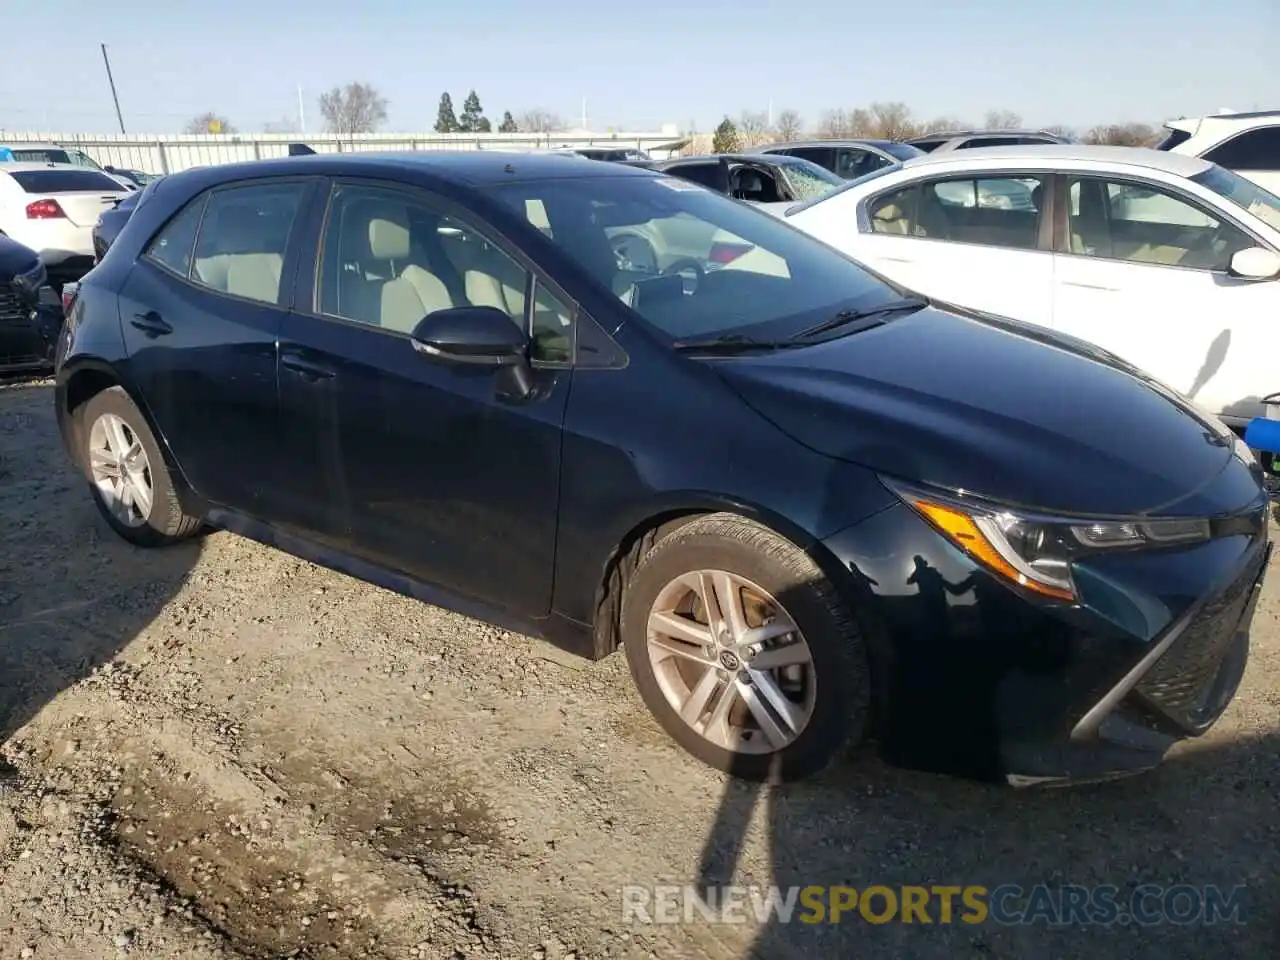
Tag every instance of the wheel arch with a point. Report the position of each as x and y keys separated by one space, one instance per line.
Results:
x=642 y=529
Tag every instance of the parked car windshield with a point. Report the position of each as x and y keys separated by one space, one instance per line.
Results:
x=65 y=181
x=1243 y=193
x=693 y=263
x=808 y=180
x=903 y=151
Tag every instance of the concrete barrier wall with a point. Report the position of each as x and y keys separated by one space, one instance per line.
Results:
x=160 y=153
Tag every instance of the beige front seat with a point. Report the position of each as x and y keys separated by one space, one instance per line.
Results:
x=889 y=218
x=412 y=291
x=491 y=278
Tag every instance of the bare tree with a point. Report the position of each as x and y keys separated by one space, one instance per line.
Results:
x=539 y=120
x=208 y=122
x=940 y=125
x=753 y=127
x=1124 y=135
x=283 y=125
x=835 y=124
x=790 y=125
x=1002 y=120
x=890 y=121
x=355 y=108
x=1059 y=130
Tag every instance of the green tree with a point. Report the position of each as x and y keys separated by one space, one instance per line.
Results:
x=725 y=139
x=508 y=124
x=446 y=119
x=473 y=119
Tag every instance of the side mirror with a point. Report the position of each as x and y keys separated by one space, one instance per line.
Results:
x=1255 y=263
x=480 y=336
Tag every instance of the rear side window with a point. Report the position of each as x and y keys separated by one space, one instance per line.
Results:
x=822 y=156
x=927 y=146
x=65 y=181
x=707 y=174
x=243 y=237
x=1252 y=150
x=171 y=247
x=1175 y=138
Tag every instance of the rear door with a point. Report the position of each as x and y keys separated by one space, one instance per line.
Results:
x=201 y=310
x=1142 y=272
x=982 y=241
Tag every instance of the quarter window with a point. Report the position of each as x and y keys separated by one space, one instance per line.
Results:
x=171 y=247
x=243 y=237
x=1118 y=220
x=1252 y=150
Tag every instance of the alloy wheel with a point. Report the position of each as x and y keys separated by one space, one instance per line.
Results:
x=731 y=661
x=120 y=470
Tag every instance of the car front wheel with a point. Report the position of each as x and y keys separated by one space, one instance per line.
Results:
x=743 y=651
x=128 y=478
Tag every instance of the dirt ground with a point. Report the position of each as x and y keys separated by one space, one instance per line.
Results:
x=221 y=750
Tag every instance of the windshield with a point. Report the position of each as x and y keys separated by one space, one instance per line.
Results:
x=65 y=181
x=693 y=263
x=903 y=151
x=808 y=180
x=1173 y=139
x=1243 y=193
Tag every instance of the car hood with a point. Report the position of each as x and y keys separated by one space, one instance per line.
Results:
x=1002 y=410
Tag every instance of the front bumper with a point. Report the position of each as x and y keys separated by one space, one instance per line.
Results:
x=28 y=332
x=977 y=680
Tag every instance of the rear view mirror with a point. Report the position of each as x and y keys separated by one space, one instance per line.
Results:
x=1255 y=263
x=480 y=336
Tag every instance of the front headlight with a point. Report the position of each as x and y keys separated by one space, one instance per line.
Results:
x=1036 y=551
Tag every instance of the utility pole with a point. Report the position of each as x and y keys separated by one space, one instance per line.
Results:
x=111 y=80
x=584 y=113
x=302 y=117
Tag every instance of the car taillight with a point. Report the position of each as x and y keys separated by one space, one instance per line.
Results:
x=723 y=253
x=45 y=210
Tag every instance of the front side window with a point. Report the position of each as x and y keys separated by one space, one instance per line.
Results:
x=1252 y=150
x=852 y=163
x=712 y=266
x=243 y=237
x=172 y=246
x=391 y=257
x=707 y=174
x=1139 y=223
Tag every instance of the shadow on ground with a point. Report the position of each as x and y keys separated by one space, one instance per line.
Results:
x=72 y=594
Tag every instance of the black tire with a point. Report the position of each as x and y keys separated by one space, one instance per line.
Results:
x=166 y=524
x=738 y=546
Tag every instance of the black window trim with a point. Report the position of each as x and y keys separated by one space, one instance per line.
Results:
x=1044 y=231
x=1205 y=154
x=292 y=250
x=534 y=276
x=1062 y=235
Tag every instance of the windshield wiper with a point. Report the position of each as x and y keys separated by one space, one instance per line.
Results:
x=729 y=344
x=864 y=319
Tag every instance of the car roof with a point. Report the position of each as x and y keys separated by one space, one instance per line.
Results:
x=779 y=160
x=474 y=167
x=837 y=142
x=31 y=145
x=23 y=165
x=1176 y=164
x=1002 y=132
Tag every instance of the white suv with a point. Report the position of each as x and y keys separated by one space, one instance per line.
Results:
x=1246 y=143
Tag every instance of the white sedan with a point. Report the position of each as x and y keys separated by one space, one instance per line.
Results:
x=52 y=208
x=1167 y=261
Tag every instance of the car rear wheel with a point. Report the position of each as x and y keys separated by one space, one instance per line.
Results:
x=742 y=650
x=128 y=478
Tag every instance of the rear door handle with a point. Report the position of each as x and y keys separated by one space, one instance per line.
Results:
x=897 y=260
x=307 y=369
x=151 y=323
x=1088 y=286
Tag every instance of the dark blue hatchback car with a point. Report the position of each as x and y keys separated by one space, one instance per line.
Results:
x=613 y=408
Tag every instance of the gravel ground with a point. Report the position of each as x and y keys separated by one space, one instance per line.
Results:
x=220 y=750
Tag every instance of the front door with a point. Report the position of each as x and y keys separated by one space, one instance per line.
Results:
x=1146 y=278
x=435 y=470
x=200 y=311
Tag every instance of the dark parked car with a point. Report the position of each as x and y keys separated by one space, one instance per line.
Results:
x=848 y=159
x=762 y=178
x=810 y=507
x=111 y=222
x=943 y=141
x=30 y=312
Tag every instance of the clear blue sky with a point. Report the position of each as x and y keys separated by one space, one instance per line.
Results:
x=639 y=64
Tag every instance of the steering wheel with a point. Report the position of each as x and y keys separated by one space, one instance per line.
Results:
x=690 y=270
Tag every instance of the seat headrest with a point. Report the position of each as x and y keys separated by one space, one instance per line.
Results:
x=890 y=211
x=389 y=233
x=238 y=228
x=749 y=182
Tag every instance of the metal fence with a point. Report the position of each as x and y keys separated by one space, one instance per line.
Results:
x=159 y=153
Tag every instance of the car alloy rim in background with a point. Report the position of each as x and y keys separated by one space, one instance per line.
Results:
x=121 y=470
x=731 y=661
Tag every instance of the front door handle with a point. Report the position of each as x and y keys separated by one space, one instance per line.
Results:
x=307 y=369
x=151 y=323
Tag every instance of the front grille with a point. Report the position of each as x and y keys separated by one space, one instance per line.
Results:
x=20 y=345
x=1182 y=684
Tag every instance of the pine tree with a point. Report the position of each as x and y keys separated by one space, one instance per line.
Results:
x=725 y=139
x=508 y=124
x=446 y=120
x=472 y=119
